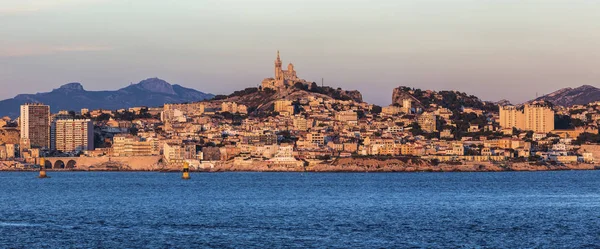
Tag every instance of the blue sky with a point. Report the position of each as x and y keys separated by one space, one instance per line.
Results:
x=496 y=50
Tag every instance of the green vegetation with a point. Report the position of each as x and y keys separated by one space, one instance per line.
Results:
x=562 y=122
x=329 y=91
x=452 y=100
x=376 y=109
x=587 y=137
x=130 y=116
x=249 y=90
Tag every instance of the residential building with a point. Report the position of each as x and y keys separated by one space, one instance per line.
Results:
x=427 y=122
x=284 y=107
x=233 y=107
x=346 y=116
x=175 y=153
x=128 y=145
x=35 y=126
x=69 y=135
x=315 y=138
x=537 y=117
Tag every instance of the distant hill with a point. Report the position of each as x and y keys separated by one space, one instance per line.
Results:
x=572 y=96
x=150 y=92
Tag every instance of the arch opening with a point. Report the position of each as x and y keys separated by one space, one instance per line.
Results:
x=71 y=164
x=59 y=164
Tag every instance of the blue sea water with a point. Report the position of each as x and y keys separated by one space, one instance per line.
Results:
x=274 y=210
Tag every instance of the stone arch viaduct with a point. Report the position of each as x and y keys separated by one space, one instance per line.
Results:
x=91 y=163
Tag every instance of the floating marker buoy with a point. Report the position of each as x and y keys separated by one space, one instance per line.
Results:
x=42 y=168
x=186 y=171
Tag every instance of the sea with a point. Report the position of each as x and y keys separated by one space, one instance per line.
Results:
x=555 y=209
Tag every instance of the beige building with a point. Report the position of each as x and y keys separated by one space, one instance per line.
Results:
x=175 y=153
x=188 y=108
x=284 y=107
x=301 y=124
x=128 y=145
x=172 y=115
x=346 y=116
x=391 y=110
x=315 y=138
x=7 y=151
x=427 y=121
x=539 y=118
x=446 y=134
x=233 y=107
x=35 y=125
x=532 y=117
x=511 y=116
x=72 y=135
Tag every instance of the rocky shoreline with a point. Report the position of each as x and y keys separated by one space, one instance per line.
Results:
x=352 y=165
x=396 y=165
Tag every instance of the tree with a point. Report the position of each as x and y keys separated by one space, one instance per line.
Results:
x=515 y=131
x=223 y=137
x=416 y=129
x=300 y=85
x=103 y=117
x=562 y=122
x=376 y=109
x=575 y=122
x=360 y=114
x=313 y=86
x=587 y=137
x=529 y=134
x=219 y=97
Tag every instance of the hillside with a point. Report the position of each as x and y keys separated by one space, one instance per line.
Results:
x=453 y=100
x=263 y=100
x=72 y=96
x=572 y=96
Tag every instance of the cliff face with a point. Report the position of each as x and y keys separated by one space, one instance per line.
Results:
x=9 y=136
x=354 y=95
x=401 y=93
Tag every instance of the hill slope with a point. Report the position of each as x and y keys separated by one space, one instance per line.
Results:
x=572 y=96
x=453 y=100
x=72 y=96
x=263 y=100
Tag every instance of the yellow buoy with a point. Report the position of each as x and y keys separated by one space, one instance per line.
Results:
x=42 y=168
x=186 y=171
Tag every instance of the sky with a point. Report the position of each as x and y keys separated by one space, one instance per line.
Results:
x=494 y=49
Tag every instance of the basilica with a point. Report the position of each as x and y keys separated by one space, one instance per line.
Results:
x=283 y=78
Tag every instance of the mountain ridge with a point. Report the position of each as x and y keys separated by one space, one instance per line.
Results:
x=569 y=96
x=73 y=96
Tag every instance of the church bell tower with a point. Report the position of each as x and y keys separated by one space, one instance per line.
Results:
x=278 y=70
